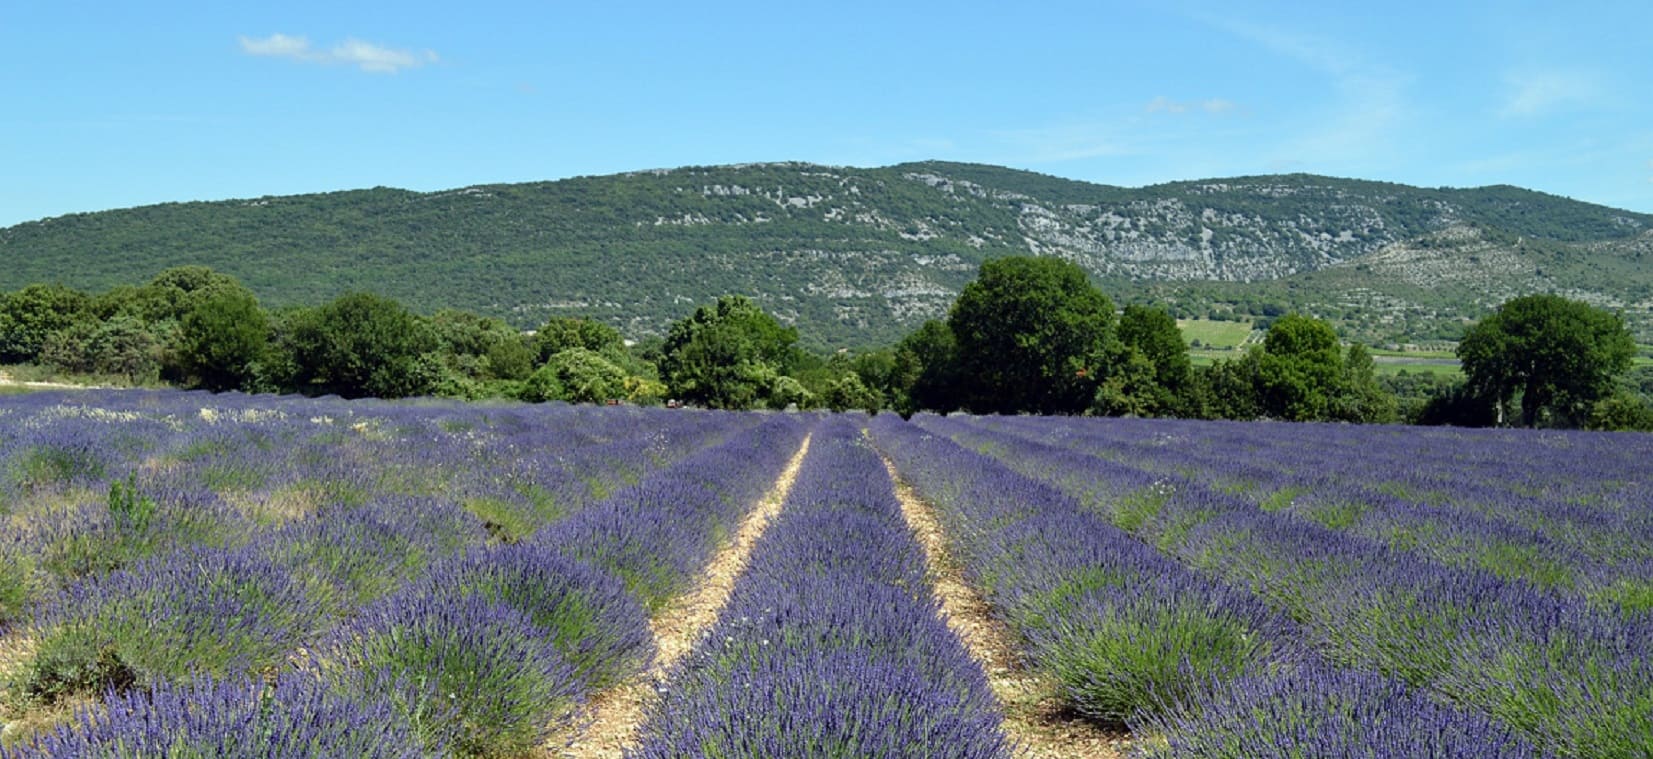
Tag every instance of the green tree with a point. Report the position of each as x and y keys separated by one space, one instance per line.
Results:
x=788 y=391
x=223 y=341
x=175 y=291
x=361 y=345
x=1623 y=411
x=924 y=375
x=1363 y=399
x=1152 y=334
x=726 y=355
x=127 y=347
x=585 y=376
x=1131 y=388
x=542 y=386
x=481 y=347
x=1557 y=357
x=1031 y=335
x=30 y=315
x=559 y=333
x=848 y=392
x=1228 y=389
x=1300 y=370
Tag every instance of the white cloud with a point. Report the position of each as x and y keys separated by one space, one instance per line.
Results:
x=353 y=52
x=277 y=45
x=1215 y=106
x=1163 y=104
x=1535 y=93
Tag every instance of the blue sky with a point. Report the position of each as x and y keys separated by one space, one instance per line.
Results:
x=111 y=104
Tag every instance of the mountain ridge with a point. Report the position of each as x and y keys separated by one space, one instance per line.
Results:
x=857 y=256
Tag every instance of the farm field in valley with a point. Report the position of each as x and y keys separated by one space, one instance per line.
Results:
x=186 y=571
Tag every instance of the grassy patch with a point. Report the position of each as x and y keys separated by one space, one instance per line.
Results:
x=1214 y=334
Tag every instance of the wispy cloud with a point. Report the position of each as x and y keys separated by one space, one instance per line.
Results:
x=1061 y=142
x=1216 y=106
x=352 y=52
x=1535 y=93
x=1370 y=102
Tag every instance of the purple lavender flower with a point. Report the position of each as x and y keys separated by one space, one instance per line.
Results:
x=296 y=717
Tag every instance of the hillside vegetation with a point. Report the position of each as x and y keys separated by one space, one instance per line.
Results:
x=856 y=257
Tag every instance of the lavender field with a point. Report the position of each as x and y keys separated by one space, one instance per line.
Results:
x=194 y=575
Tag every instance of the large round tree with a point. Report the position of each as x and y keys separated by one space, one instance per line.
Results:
x=1558 y=357
x=223 y=338
x=360 y=345
x=726 y=355
x=1031 y=334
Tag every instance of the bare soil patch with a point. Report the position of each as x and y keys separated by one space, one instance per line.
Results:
x=614 y=715
x=1034 y=718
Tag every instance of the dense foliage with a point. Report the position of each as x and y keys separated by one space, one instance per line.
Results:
x=1029 y=335
x=729 y=354
x=1558 y=357
x=856 y=257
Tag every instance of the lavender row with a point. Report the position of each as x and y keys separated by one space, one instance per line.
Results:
x=1604 y=469
x=831 y=644
x=1510 y=468
x=1605 y=555
x=1123 y=628
x=1029 y=544
x=88 y=488
x=1572 y=678
x=484 y=655
x=659 y=533
x=492 y=652
x=1601 y=470
x=225 y=611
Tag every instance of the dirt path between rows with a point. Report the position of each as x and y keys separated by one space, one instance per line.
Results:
x=614 y=715
x=1033 y=716
x=6 y=379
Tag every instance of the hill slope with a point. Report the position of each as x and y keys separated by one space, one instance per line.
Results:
x=858 y=256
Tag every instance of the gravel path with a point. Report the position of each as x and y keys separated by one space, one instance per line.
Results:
x=614 y=715
x=1033 y=716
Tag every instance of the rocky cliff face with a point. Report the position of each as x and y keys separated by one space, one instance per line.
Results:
x=858 y=256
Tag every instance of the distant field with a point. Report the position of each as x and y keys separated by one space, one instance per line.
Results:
x=1420 y=366
x=1381 y=352
x=1214 y=334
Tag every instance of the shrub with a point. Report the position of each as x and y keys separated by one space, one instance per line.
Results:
x=199 y=610
x=477 y=676
x=598 y=627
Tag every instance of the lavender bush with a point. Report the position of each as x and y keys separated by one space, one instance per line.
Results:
x=599 y=629
x=296 y=717
x=478 y=677
x=215 y=611
x=1325 y=714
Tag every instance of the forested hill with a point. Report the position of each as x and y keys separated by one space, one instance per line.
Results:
x=859 y=256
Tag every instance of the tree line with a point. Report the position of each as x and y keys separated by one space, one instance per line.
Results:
x=1028 y=335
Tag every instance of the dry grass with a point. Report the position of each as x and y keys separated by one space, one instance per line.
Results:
x=1034 y=718
x=274 y=508
x=18 y=724
x=614 y=715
